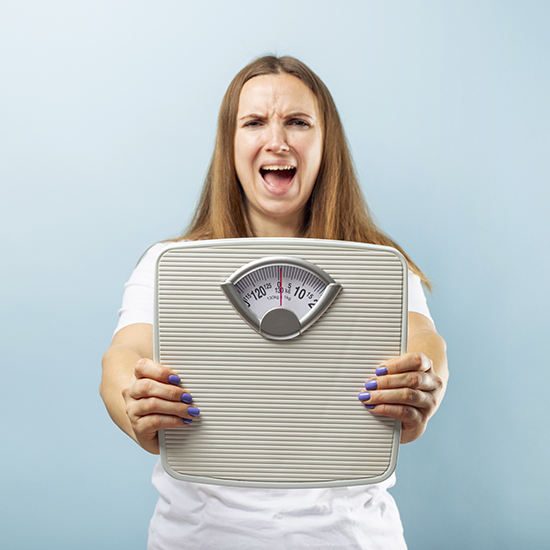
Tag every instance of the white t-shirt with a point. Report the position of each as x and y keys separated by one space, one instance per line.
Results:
x=200 y=516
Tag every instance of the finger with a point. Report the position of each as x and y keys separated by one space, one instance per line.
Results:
x=413 y=361
x=418 y=380
x=412 y=422
x=401 y=396
x=145 y=368
x=148 y=426
x=147 y=387
x=153 y=406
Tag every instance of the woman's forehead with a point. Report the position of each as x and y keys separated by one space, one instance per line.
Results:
x=276 y=93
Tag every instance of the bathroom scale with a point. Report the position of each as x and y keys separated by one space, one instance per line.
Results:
x=274 y=338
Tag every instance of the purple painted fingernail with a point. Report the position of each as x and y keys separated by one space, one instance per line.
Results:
x=193 y=411
x=187 y=420
x=174 y=379
x=371 y=384
x=186 y=398
x=370 y=406
x=380 y=371
x=364 y=396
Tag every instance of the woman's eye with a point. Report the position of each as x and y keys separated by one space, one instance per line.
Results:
x=252 y=124
x=300 y=123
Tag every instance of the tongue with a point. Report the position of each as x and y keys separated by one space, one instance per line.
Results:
x=278 y=177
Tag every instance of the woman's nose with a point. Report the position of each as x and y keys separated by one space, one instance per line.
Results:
x=276 y=140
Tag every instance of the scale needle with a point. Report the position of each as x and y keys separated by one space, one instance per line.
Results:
x=281 y=286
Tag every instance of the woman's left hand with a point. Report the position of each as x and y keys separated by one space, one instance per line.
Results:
x=408 y=389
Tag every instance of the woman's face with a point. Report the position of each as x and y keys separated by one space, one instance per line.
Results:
x=278 y=148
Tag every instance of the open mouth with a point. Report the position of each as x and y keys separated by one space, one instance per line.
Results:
x=276 y=175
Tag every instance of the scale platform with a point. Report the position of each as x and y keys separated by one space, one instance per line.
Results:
x=277 y=390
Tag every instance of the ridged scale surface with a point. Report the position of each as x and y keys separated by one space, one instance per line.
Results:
x=279 y=412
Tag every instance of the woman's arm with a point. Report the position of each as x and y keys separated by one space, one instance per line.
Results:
x=410 y=387
x=141 y=396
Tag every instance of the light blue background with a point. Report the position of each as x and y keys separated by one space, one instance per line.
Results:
x=107 y=122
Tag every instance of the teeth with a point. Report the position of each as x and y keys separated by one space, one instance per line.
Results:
x=277 y=167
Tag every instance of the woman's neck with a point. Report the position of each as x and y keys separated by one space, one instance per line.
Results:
x=274 y=227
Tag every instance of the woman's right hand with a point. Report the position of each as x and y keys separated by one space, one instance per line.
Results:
x=155 y=401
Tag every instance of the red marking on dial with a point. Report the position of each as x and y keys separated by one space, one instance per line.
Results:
x=281 y=285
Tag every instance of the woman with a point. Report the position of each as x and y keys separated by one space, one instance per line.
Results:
x=281 y=168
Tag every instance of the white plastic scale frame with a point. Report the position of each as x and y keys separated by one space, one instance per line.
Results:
x=280 y=410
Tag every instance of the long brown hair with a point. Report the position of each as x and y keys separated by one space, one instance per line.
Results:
x=336 y=209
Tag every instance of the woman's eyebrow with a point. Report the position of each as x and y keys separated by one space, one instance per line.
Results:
x=293 y=114
x=251 y=115
x=300 y=114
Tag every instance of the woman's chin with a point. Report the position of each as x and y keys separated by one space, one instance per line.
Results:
x=270 y=214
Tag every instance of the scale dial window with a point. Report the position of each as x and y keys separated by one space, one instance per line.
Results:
x=280 y=286
x=280 y=297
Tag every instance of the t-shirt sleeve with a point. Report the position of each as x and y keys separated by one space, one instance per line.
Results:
x=417 y=298
x=137 y=302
